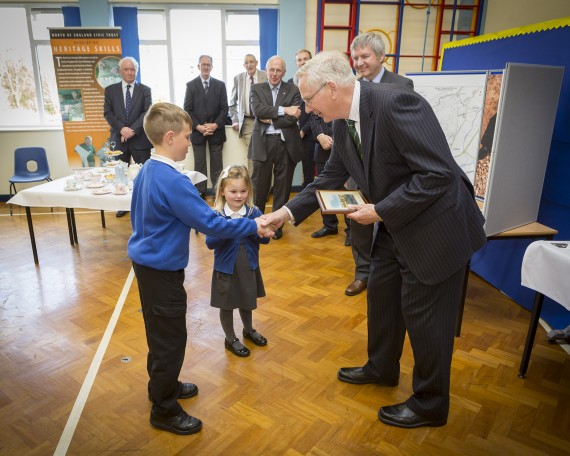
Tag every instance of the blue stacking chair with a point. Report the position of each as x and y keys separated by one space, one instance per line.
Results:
x=22 y=174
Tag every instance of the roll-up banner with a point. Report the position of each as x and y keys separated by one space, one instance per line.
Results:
x=86 y=60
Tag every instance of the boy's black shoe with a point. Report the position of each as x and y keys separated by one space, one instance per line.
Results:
x=182 y=424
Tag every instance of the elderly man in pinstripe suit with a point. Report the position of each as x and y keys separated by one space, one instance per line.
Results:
x=428 y=226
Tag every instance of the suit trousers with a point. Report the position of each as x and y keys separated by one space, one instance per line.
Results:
x=398 y=302
x=163 y=300
x=361 y=237
x=200 y=164
x=138 y=155
x=330 y=221
x=308 y=160
x=279 y=164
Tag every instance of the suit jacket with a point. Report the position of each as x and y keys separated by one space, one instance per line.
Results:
x=319 y=126
x=114 y=112
x=305 y=124
x=393 y=78
x=262 y=107
x=210 y=108
x=238 y=100
x=407 y=171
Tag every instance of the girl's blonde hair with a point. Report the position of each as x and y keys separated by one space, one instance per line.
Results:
x=233 y=172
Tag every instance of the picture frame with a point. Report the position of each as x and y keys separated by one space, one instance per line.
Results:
x=337 y=201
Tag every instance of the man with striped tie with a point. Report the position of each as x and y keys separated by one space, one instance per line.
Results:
x=427 y=228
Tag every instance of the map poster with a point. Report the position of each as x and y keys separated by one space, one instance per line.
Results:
x=86 y=60
x=457 y=101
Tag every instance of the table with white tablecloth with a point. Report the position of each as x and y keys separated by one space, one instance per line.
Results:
x=545 y=269
x=54 y=194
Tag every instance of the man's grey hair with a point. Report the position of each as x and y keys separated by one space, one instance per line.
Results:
x=328 y=66
x=273 y=57
x=129 y=59
x=372 y=40
x=206 y=56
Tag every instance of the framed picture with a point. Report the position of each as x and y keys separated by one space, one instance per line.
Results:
x=337 y=201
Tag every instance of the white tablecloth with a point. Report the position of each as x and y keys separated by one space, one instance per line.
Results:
x=546 y=269
x=52 y=194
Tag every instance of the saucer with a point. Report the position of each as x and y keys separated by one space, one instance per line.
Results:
x=120 y=193
x=101 y=191
x=100 y=170
x=95 y=185
x=72 y=189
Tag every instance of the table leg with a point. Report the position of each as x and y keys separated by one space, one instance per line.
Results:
x=72 y=211
x=462 y=306
x=103 y=219
x=32 y=236
x=69 y=225
x=536 y=308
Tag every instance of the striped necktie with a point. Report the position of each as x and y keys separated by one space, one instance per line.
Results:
x=206 y=87
x=354 y=136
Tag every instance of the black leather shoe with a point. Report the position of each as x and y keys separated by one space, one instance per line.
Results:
x=323 y=232
x=400 y=415
x=182 y=424
x=121 y=213
x=357 y=376
x=278 y=234
x=185 y=390
x=242 y=352
x=348 y=240
x=255 y=337
x=356 y=287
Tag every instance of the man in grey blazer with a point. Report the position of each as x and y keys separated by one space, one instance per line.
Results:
x=125 y=106
x=275 y=146
x=428 y=226
x=368 y=53
x=240 y=110
x=206 y=101
x=127 y=126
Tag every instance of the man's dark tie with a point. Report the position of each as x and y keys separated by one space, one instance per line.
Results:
x=251 y=80
x=206 y=87
x=354 y=135
x=128 y=100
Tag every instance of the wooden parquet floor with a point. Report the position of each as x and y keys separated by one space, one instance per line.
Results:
x=285 y=399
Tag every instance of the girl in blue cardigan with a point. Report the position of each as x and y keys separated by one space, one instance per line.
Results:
x=236 y=280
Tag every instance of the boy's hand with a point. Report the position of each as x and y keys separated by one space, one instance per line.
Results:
x=264 y=228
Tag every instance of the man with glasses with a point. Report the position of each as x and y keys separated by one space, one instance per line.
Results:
x=275 y=142
x=368 y=54
x=390 y=142
x=206 y=101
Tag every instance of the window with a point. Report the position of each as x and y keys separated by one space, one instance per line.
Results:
x=171 y=40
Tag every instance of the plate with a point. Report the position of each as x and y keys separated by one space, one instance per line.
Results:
x=120 y=193
x=101 y=191
x=72 y=189
x=100 y=170
x=95 y=185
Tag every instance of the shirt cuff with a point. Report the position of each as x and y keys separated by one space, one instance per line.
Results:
x=291 y=218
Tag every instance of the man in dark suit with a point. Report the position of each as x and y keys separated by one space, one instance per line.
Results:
x=206 y=101
x=126 y=104
x=368 y=53
x=275 y=146
x=307 y=139
x=389 y=141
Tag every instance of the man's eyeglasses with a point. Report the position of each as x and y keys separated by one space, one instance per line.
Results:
x=207 y=65
x=308 y=101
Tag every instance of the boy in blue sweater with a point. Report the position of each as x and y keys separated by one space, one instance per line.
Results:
x=165 y=206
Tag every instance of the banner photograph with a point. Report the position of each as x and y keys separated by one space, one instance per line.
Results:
x=86 y=60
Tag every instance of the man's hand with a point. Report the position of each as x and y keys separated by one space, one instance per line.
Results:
x=264 y=228
x=292 y=111
x=325 y=141
x=235 y=126
x=363 y=214
x=265 y=121
x=202 y=129
x=211 y=127
x=127 y=133
x=276 y=219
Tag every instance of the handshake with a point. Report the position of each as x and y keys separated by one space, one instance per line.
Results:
x=267 y=224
